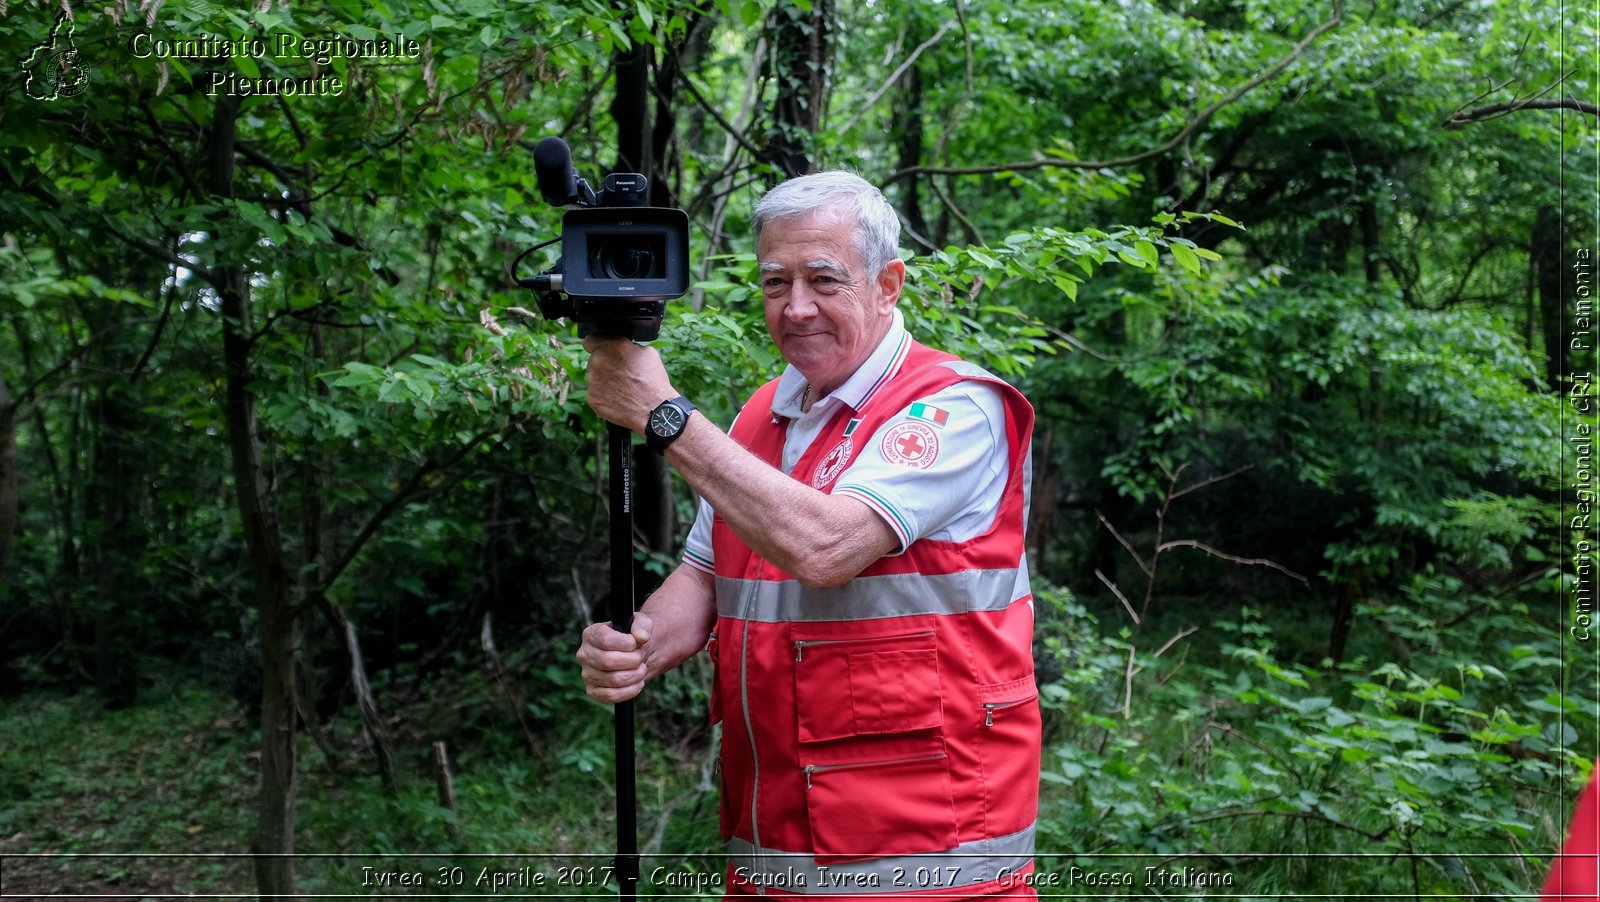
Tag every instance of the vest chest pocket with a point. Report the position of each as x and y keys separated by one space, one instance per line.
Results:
x=866 y=685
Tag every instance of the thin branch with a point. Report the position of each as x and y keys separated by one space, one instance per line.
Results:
x=1118 y=592
x=294 y=122
x=965 y=103
x=894 y=77
x=151 y=249
x=155 y=337
x=1078 y=343
x=26 y=401
x=975 y=236
x=1484 y=249
x=301 y=198
x=1492 y=89
x=1127 y=687
x=1124 y=542
x=1228 y=730
x=1161 y=529
x=179 y=163
x=1445 y=11
x=1212 y=480
x=405 y=495
x=1176 y=638
x=1261 y=562
x=1499 y=592
x=913 y=234
x=717 y=197
x=728 y=126
x=1495 y=110
x=1162 y=680
x=1183 y=134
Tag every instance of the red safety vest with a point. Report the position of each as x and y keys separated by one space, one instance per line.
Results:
x=1575 y=874
x=881 y=736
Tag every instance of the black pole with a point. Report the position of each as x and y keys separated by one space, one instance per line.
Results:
x=621 y=441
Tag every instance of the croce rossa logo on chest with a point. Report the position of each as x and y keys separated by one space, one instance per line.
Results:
x=834 y=462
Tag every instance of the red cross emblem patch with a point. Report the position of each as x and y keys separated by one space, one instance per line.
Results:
x=832 y=465
x=910 y=445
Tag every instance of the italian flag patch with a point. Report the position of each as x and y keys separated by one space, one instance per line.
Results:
x=934 y=415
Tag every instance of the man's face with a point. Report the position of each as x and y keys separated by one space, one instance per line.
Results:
x=826 y=313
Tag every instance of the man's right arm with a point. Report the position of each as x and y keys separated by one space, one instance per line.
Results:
x=669 y=629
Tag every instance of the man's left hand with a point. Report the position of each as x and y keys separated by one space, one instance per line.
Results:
x=626 y=381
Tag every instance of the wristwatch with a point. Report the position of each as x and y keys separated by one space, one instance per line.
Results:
x=666 y=423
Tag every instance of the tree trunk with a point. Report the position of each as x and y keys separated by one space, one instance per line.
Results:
x=1544 y=254
x=1046 y=482
x=1371 y=242
x=113 y=549
x=630 y=109
x=9 y=485
x=666 y=181
x=1344 y=616
x=908 y=132
x=277 y=619
x=801 y=55
x=64 y=528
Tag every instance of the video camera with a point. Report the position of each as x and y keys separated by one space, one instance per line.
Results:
x=621 y=261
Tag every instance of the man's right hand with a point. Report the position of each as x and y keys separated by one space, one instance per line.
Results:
x=616 y=665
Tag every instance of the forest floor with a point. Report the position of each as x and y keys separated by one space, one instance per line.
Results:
x=157 y=800
x=172 y=780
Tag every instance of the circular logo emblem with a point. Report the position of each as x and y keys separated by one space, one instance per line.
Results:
x=910 y=445
x=832 y=465
x=66 y=73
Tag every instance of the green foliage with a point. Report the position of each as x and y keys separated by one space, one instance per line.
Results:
x=1355 y=375
x=1453 y=759
x=973 y=300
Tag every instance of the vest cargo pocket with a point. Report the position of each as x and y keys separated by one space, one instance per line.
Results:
x=864 y=686
x=874 y=809
x=1008 y=752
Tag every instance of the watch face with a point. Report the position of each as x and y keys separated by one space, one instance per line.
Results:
x=665 y=421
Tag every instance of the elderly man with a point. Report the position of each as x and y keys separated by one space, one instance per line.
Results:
x=857 y=572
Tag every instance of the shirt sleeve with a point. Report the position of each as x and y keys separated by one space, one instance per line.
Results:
x=938 y=468
x=697 y=548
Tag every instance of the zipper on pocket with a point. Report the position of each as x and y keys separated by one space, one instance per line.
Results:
x=820 y=768
x=990 y=707
x=801 y=644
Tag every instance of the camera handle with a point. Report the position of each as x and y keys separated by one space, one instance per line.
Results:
x=620 y=440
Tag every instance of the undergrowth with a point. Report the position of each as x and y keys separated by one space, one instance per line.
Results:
x=1448 y=776
x=1185 y=758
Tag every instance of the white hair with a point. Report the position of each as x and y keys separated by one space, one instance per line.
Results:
x=877 y=226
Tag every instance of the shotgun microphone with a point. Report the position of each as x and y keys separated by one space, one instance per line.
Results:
x=556 y=176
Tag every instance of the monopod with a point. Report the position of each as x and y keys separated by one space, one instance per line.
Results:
x=620 y=263
x=621 y=611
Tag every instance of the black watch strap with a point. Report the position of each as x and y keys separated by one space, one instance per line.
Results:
x=666 y=423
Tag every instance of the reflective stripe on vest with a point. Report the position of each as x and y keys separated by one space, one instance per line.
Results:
x=868 y=597
x=962 y=868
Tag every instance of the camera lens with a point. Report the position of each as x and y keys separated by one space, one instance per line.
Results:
x=628 y=257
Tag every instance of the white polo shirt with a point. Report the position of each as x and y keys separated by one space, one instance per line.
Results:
x=953 y=497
